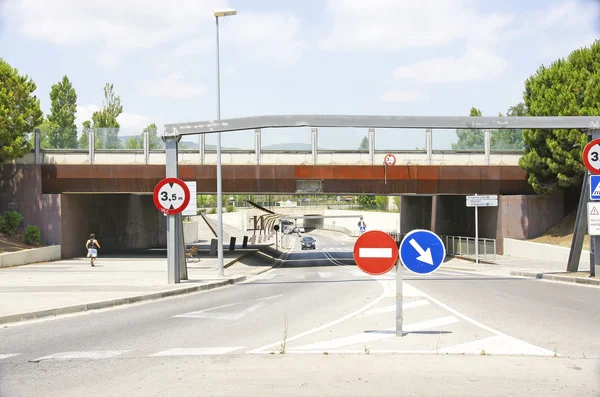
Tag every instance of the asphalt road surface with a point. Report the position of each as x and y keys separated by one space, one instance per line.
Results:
x=316 y=325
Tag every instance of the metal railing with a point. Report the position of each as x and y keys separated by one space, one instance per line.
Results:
x=465 y=247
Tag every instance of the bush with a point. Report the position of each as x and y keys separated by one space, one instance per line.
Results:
x=230 y=208
x=10 y=223
x=213 y=211
x=32 y=235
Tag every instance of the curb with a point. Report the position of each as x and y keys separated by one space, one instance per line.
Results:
x=555 y=277
x=13 y=318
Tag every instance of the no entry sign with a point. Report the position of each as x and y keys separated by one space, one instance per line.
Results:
x=171 y=196
x=591 y=156
x=375 y=252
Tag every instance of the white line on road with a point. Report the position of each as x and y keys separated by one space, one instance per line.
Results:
x=375 y=252
x=83 y=355
x=197 y=351
x=373 y=336
x=498 y=344
x=206 y=313
x=3 y=356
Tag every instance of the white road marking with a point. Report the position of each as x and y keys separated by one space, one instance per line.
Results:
x=499 y=344
x=373 y=336
x=83 y=355
x=235 y=315
x=3 y=356
x=375 y=252
x=325 y=274
x=392 y=308
x=196 y=351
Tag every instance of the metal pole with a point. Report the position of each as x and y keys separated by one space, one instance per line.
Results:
x=173 y=234
x=36 y=142
x=476 y=235
x=399 y=297
x=219 y=182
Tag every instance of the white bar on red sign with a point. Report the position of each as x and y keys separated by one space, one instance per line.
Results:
x=375 y=252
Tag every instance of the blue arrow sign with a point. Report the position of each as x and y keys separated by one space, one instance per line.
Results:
x=594 y=187
x=422 y=251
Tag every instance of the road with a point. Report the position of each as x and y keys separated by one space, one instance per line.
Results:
x=318 y=326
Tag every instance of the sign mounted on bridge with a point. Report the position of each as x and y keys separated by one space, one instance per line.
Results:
x=171 y=196
x=482 y=201
x=390 y=159
x=375 y=252
x=591 y=156
x=422 y=251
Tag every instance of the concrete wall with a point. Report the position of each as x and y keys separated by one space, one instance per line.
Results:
x=415 y=213
x=545 y=252
x=121 y=222
x=386 y=221
x=21 y=190
x=42 y=254
x=190 y=232
x=238 y=219
x=529 y=216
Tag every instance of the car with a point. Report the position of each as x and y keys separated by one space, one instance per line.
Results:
x=308 y=243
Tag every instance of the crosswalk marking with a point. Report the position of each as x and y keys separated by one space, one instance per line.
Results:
x=83 y=355
x=196 y=351
x=392 y=308
x=3 y=356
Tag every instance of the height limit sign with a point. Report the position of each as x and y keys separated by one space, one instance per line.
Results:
x=591 y=156
x=171 y=196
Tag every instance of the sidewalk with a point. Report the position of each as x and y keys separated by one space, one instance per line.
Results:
x=513 y=266
x=72 y=285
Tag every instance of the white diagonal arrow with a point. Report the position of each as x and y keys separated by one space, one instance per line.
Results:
x=424 y=256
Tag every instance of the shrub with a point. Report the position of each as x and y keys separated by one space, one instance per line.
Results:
x=11 y=221
x=32 y=235
x=213 y=210
x=230 y=208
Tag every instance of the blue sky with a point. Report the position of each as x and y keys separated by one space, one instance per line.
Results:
x=391 y=57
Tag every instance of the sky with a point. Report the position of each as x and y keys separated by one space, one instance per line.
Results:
x=351 y=57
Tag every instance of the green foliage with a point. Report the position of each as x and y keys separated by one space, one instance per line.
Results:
x=382 y=202
x=364 y=144
x=230 y=208
x=203 y=200
x=396 y=200
x=568 y=87
x=62 y=131
x=32 y=235
x=20 y=112
x=213 y=210
x=10 y=222
x=469 y=139
x=154 y=141
x=134 y=143
x=105 y=124
x=500 y=139
x=84 y=139
x=367 y=202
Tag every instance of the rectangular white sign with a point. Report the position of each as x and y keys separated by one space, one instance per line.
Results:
x=375 y=252
x=482 y=201
x=191 y=209
x=593 y=211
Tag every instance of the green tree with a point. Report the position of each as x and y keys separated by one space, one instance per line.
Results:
x=20 y=112
x=503 y=139
x=367 y=202
x=154 y=141
x=105 y=121
x=469 y=139
x=62 y=131
x=568 y=87
x=84 y=139
x=382 y=202
x=364 y=144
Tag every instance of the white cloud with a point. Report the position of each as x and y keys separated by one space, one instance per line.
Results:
x=393 y=25
x=402 y=96
x=476 y=64
x=172 y=87
x=127 y=121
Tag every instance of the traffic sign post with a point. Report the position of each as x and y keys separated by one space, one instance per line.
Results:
x=171 y=196
x=480 y=201
x=376 y=253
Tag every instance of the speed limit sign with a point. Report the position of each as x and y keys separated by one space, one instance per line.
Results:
x=171 y=196
x=591 y=156
x=390 y=159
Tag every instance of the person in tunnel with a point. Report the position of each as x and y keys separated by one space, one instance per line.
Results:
x=91 y=245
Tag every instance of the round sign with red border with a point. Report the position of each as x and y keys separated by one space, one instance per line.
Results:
x=171 y=196
x=591 y=156
x=390 y=159
x=375 y=252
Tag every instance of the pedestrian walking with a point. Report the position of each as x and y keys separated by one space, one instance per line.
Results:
x=91 y=245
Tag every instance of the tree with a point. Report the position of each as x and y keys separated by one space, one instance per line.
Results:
x=382 y=202
x=568 y=87
x=364 y=144
x=469 y=139
x=154 y=141
x=503 y=139
x=62 y=133
x=106 y=120
x=367 y=202
x=20 y=112
x=84 y=139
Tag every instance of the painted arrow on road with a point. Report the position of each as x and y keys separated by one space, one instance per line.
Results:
x=424 y=256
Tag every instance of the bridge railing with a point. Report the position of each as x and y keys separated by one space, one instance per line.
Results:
x=285 y=146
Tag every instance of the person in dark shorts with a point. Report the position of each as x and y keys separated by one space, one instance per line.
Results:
x=91 y=245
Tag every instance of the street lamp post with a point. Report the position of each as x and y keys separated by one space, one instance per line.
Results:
x=219 y=14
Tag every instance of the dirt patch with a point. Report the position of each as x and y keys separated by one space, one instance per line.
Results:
x=13 y=244
x=561 y=234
